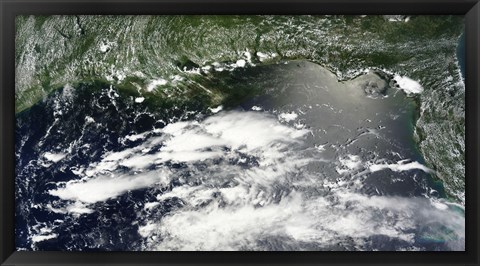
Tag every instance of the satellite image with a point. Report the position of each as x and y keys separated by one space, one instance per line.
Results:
x=262 y=133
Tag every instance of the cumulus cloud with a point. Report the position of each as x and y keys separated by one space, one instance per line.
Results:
x=400 y=166
x=246 y=181
x=224 y=135
x=104 y=187
x=408 y=85
x=297 y=219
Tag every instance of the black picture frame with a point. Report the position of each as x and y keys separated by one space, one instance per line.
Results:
x=10 y=8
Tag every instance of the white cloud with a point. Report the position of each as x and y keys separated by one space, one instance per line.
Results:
x=263 y=56
x=241 y=63
x=78 y=208
x=147 y=229
x=251 y=132
x=136 y=136
x=287 y=117
x=150 y=205
x=40 y=238
x=408 y=85
x=230 y=206
x=104 y=187
x=298 y=219
x=400 y=166
x=349 y=163
x=216 y=109
x=155 y=83
x=54 y=157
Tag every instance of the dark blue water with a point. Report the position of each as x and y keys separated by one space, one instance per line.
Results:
x=461 y=54
x=111 y=227
x=119 y=117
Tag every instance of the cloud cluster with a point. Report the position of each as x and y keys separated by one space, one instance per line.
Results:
x=246 y=183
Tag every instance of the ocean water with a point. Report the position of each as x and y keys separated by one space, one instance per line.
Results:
x=310 y=163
